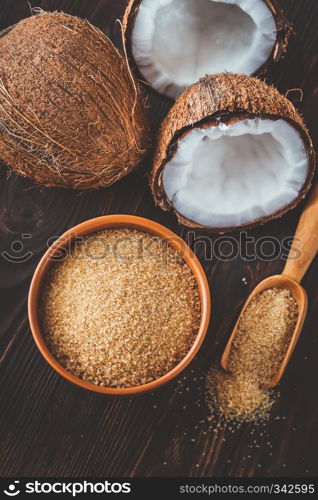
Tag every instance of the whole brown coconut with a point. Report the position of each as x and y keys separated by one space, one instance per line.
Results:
x=71 y=114
x=232 y=153
x=173 y=43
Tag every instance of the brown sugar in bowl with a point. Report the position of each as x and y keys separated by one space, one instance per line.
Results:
x=111 y=222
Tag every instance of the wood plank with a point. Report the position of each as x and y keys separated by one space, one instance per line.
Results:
x=51 y=428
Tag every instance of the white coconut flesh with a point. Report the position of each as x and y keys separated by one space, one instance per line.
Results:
x=176 y=42
x=231 y=175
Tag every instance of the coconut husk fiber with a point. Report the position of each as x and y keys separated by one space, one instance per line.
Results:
x=71 y=114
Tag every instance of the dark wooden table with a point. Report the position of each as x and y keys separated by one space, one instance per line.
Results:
x=51 y=428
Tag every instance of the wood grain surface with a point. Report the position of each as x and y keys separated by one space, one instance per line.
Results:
x=51 y=428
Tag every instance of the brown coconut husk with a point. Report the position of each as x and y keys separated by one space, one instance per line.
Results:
x=284 y=30
x=71 y=114
x=227 y=97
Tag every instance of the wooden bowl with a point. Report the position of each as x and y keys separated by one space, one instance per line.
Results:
x=92 y=226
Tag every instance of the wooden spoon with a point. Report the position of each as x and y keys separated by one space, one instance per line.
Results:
x=305 y=247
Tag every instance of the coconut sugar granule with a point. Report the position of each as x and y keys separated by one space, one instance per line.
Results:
x=122 y=309
x=263 y=336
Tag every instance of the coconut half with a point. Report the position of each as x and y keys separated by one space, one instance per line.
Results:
x=176 y=42
x=232 y=153
x=71 y=114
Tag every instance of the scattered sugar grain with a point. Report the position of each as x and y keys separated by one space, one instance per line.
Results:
x=263 y=336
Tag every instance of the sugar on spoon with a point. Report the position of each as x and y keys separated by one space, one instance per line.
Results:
x=305 y=245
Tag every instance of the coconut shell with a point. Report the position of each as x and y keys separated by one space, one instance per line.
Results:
x=284 y=29
x=226 y=97
x=71 y=114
